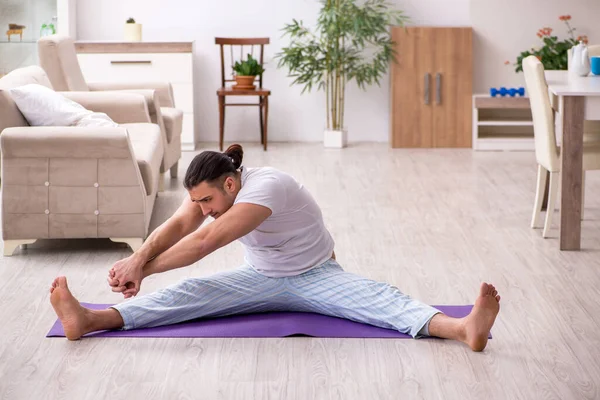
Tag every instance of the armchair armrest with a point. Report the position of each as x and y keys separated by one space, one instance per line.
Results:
x=121 y=107
x=150 y=97
x=65 y=142
x=164 y=89
x=71 y=182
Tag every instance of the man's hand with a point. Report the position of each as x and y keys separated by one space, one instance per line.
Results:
x=126 y=275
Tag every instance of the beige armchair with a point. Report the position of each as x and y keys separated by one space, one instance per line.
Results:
x=76 y=182
x=59 y=59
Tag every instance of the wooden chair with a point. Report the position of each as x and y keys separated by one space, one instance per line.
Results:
x=224 y=91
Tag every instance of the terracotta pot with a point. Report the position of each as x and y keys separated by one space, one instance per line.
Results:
x=244 y=82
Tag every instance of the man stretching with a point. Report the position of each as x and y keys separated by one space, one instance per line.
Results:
x=289 y=264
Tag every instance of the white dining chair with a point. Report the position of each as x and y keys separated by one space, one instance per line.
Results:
x=547 y=152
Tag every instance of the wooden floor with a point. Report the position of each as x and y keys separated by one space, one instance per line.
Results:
x=433 y=223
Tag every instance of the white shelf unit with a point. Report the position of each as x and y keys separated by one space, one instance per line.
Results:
x=502 y=123
x=18 y=52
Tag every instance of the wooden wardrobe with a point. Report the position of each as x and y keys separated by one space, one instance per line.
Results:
x=431 y=87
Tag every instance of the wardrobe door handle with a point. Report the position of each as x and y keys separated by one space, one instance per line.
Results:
x=438 y=88
x=427 y=79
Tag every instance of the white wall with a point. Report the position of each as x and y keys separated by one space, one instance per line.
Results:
x=67 y=15
x=437 y=12
x=292 y=117
x=505 y=28
x=502 y=29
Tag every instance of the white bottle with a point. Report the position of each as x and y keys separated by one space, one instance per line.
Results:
x=580 y=60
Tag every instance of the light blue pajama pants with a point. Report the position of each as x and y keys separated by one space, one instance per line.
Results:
x=326 y=289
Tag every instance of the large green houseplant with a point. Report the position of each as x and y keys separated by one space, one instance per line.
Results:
x=350 y=41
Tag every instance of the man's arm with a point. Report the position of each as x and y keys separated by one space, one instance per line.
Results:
x=186 y=219
x=238 y=221
x=128 y=273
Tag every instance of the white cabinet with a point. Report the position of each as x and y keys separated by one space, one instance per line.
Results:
x=143 y=62
x=502 y=123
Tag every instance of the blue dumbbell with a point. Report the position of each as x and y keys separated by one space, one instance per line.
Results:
x=504 y=92
x=498 y=92
x=513 y=92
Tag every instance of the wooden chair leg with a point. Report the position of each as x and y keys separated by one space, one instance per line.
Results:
x=221 y=120
x=266 y=121
x=260 y=116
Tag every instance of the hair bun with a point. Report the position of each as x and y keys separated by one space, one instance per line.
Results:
x=236 y=153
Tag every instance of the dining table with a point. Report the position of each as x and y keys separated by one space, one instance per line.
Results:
x=577 y=100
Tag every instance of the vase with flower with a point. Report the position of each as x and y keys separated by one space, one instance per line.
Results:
x=553 y=53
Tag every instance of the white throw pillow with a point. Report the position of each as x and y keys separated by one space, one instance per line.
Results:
x=42 y=106
x=97 y=119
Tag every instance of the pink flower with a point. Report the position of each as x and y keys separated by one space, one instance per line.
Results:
x=583 y=39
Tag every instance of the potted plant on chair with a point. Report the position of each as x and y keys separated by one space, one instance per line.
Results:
x=246 y=72
x=351 y=41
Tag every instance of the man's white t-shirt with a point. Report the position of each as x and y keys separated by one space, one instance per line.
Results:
x=293 y=239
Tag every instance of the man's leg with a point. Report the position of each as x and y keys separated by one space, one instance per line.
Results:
x=242 y=290
x=77 y=320
x=329 y=290
x=474 y=328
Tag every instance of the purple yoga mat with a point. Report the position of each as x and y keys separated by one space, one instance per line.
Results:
x=275 y=324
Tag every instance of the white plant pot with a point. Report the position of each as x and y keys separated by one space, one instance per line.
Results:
x=335 y=139
x=133 y=32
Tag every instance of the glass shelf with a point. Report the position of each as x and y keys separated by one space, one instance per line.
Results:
x=20 y=49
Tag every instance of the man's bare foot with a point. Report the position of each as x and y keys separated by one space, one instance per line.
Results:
x=71 y=314
x=479 y=322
